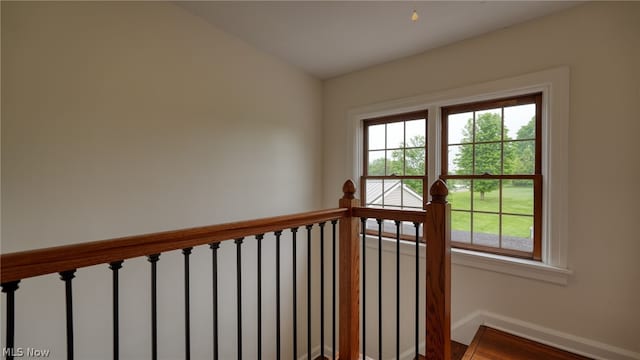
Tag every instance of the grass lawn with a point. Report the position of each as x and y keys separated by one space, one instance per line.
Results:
x=515 y=200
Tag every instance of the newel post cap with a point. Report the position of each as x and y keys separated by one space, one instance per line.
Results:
x=439 y=191
x=349 y=189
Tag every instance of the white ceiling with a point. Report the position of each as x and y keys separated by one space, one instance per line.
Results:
x=331 y=38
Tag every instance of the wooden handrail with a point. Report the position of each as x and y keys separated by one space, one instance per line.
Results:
x=437 y=225
x=26 y=264
x=416 y=216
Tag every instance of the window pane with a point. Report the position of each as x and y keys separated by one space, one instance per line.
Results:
x=517 y=232
x=389 y=227
x=459 y=194
x=459 y=127
x=487 y=159
x=407 y=228
x=376 y=137
x=460 y=160
x=374 y=192
x=415 y=133
x=372 y=224
x=414 y=161
x=488 y=125
x=461 y=226
x=395 y=135
x=486 y=229
x=519 y=157
x=517 y=197
x=412 y=193
x=486 y=196
x=519 y=122
x=392 y=193
x=395 y=162
x=376 y=163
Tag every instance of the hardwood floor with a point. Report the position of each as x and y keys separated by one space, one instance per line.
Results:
x=492 y=344
x=457 y=351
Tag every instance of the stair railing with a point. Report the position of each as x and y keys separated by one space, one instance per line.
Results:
x=436 y=221
x=66 y=260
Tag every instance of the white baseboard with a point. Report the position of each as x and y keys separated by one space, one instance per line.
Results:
x=464 y=330
x=315 y=352
x=409 y=354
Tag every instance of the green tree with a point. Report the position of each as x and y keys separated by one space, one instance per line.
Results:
x=376 y=167
x=525 y=159
x=410 y=163
x=528 y=131
x=393 y=165
x=414 y=156
x=488 y=128
x=413 y=161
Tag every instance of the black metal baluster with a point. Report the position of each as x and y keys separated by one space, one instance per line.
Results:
x=67 y=276
x=379 y=288
x=214 y=285
x=308 y=227
x=278 y=234
x=153 y=259
x=333 y=292
x=10 y=289
x=398 y=289
x=259 y=238
x=417 y=324
x=364 y=287
x=187 y=318
x=321 y=289
x=239 y=299
x=294 y=270
x=115 y=266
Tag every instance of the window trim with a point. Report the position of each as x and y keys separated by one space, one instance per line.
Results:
x=555 y=86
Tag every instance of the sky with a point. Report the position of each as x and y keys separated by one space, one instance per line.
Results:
x=514 y=118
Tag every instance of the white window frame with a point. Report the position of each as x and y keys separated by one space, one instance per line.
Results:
x=554 y=85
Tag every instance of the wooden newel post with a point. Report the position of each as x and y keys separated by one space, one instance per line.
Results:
x=437 y=235
x=349 y=277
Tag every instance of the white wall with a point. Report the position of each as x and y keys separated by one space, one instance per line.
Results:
x=599 y=42
x=127 y=118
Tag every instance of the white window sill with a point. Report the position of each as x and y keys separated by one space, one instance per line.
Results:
x=513 y=266
x=528 y=269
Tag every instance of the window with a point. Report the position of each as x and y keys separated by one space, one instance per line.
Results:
x=548 y=259
x=491 y=161
x=394 y=173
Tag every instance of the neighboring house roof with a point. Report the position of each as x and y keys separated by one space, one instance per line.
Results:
x=392 y=193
